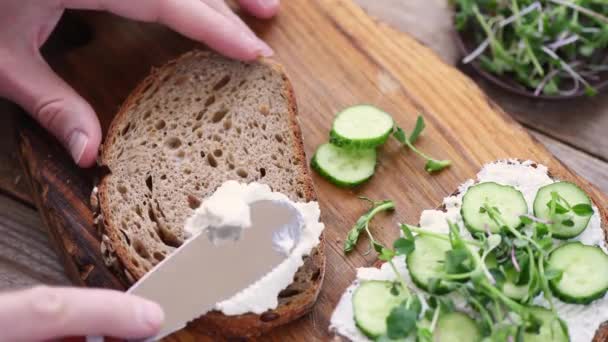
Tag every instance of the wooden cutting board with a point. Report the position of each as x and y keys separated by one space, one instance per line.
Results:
x=336 y=56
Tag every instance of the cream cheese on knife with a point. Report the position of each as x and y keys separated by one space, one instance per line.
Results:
x=528 y=177
x=229 y=206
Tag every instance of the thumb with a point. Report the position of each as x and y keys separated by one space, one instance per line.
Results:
x=30 y=82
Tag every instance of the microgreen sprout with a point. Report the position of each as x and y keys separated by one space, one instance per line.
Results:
x=432 y=165
x=550 y=47
x=363 y=222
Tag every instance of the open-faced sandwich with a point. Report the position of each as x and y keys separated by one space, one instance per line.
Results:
x=514 y=255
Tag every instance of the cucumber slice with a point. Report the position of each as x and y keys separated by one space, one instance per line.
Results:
x=361 y=126
x=550 y=329
x=571 y=193
x=344 y=167
x=509 y=201
x=456 y=327
x=373 y=301
x=427 y=261
x=584 y=277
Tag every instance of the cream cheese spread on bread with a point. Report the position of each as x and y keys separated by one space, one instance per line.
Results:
x=229 y=206
x=528 y=177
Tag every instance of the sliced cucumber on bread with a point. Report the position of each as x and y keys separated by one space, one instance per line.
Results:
x=456 y=327
x=573 y=195
x=361 y=126
x=583 y=277
x=373 y=301
x=427 y=261
x=509 y=201
x=343 y=166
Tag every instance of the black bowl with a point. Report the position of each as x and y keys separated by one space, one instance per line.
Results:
x=466 y=45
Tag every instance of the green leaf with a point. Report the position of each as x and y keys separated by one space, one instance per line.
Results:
x=386 y=254
x=396 y=288
x=351 y=239
x=583 y=209
x=498 y=276
x=424 y=335
x=568 y=223
x=519 y=243
x=525 y=220
x=399 y=134
x=482 y=210
x=493 y=241
x=407 y=232
x=420 y=125
x=456 y=261
x=413 y=303
x=434 y=284
x=559 y=209
x=552 y=273
x=400 y=322
x=551 y=88
x=433 y=165
x=545 y=243
x=404 y=246
x=541 y=229
x=353 y=235
x=378 y=247
x=590 y=91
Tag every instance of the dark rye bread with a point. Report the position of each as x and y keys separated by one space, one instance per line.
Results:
x=194 y=123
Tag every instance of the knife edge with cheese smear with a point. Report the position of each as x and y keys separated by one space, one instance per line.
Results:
x=242 y=235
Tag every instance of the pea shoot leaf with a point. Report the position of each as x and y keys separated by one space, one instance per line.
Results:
x=404 y=246
x=583 y=209
x=568 y=223
x=401 y=322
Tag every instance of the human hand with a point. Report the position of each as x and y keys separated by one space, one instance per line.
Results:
x=26 y=78
x=46 y=313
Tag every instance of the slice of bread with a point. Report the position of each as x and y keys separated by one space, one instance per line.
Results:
x=191 y=125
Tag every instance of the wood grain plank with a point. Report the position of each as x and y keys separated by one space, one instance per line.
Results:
x=342 y=57
x=581 y=123
x=11 y=176
x=585 y=165
x=26 y=255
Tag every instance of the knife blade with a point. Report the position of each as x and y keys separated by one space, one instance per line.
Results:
x=218 y=263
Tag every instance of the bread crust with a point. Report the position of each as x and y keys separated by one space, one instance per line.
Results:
x=298 y=298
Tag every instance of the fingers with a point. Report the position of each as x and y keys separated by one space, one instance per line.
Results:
x=261 y=8
x=221 y=7
x=44 y=313
x=28 y=80
x=192 y=18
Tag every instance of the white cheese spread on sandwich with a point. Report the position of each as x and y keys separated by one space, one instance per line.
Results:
x=528 y=177
x=229 y=206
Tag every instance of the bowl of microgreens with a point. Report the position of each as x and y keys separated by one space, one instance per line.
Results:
x=545 y=49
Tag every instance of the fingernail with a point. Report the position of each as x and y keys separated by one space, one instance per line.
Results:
x=77 y=143
x=267 y=4
x=265 y=49
x=150 y=314
x=261 y=48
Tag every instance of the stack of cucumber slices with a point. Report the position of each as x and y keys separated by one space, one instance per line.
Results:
x=349 y=158
x=514 y=258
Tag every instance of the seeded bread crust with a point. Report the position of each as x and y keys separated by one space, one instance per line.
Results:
x=128 y=261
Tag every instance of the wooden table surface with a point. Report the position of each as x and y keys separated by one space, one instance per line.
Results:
x=575 y=131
